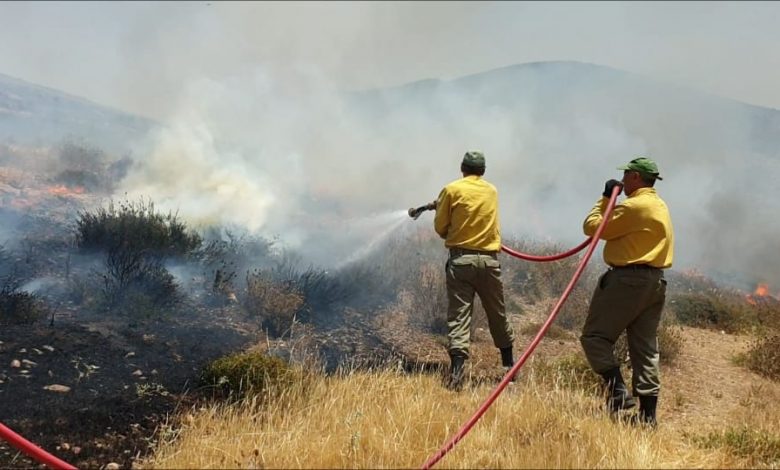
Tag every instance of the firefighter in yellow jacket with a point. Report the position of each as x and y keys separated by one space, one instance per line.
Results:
x=630 y=296
x=467 y=219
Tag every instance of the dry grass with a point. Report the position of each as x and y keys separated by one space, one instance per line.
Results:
x=387 y=419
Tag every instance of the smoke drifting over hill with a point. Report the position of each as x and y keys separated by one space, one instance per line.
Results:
x=299 y=159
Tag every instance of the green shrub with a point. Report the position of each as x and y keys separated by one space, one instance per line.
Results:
x=759 y=446
x=719 y=309
x=763 y=356
x=249 y=373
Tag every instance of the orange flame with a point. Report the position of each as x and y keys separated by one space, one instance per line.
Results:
x=762 y=290
x=62 y=190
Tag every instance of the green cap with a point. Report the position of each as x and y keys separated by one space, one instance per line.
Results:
x=643 y=165
x=474 y=159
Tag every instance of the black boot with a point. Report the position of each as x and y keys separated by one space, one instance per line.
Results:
x=507 y=360
x=647 y=406
x=618 y=398
x=457 y=372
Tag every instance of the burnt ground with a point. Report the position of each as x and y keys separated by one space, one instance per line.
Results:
x=124 y=382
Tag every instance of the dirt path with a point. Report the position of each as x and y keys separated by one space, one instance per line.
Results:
x=705 y=385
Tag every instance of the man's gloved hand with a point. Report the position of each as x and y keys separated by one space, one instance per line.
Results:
x=609 y=186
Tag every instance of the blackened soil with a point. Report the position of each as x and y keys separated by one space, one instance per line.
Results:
x=124 y=383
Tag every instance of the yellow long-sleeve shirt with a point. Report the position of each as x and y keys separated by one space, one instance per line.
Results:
x=639 y=232
x=467 y=215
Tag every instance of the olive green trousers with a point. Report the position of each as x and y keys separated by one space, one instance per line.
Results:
x=629 y=300
x=469 y=274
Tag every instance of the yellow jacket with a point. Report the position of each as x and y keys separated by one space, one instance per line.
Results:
x=467 y=215
x=640 y=231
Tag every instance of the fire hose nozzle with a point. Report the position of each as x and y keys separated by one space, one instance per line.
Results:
x=415 y=212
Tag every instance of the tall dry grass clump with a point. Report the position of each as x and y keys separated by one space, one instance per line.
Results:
x=381 y=419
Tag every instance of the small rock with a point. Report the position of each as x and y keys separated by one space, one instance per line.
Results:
x=154 y=371
x=51 y=374
x=65 y=446
x=57 y=388
x=29 y=363
x=16 y=364
x=38 y=351
x=48 y=348
x=22 y=351
x=24 y=372
x=112 y=466
x=76 y=450
x=138 y=372
x=130 y=354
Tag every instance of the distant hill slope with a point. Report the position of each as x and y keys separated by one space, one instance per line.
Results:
x=566 y=91
x=36 y=114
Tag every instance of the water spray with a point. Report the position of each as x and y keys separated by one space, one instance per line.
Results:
x=415 y=212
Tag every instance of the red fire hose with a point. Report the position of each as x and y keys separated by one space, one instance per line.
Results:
x=530 y=349
x=541 y=259
x=32 y=450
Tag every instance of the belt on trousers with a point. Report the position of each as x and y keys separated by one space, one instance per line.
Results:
x=636 y=267
x=455 y=252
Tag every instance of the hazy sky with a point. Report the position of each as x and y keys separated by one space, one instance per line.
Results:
x=138 y=56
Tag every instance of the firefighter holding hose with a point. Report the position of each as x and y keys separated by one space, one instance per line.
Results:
x=467 y=219
x=630 y=295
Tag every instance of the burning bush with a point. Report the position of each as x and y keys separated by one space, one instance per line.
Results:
x=134 y=226
x=249 y=373
x=763 y=356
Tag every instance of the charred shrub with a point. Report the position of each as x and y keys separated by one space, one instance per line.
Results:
x=249 y=373
x=223 y=257
x=134 y=226
x=320 y=289
x=137 y=285
x=763 y=356
x=275 y=303
x=429 y=300
x=84 y=165
x=18 y=307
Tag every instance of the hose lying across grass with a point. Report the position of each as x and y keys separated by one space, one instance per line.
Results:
x=591 y=242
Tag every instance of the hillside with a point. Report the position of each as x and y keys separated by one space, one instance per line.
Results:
x=34 y=114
